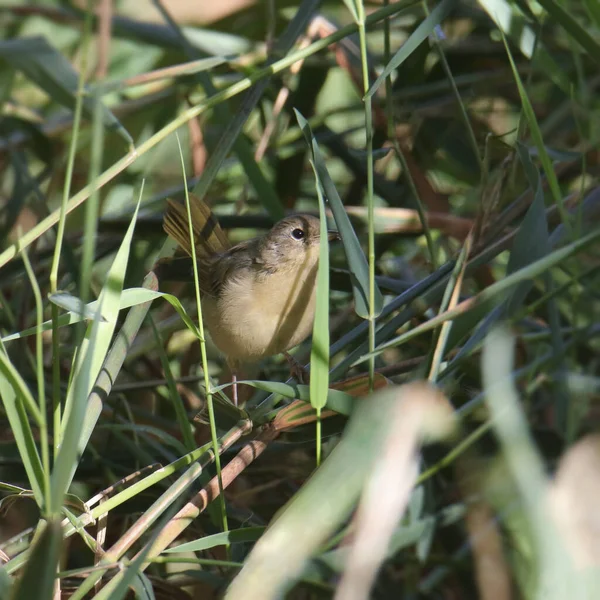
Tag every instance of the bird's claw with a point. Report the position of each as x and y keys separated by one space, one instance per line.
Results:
x=297 y=371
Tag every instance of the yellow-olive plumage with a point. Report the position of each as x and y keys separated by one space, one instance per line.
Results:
x=258 y=297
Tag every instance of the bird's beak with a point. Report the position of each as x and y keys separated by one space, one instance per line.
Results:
x=333 y=235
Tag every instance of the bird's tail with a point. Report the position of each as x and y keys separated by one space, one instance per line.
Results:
x=208 y=236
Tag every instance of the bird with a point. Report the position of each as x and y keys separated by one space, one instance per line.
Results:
x=258 y=296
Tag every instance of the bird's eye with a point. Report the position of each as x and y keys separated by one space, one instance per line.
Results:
x=298 y=234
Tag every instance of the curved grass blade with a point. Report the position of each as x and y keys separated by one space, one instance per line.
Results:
x=494 y=293
x=319 y=353
x=416 y=38
x=15 y=396
x=236 y=536
x=536 y=134
x=174 y=396
x=359 y=268
x=37 y=579
x=339 y=401
x=91 y=355
x=579 y=34
x=50 y=70
x=74 y=305
x=129 y=298
x=531 y=243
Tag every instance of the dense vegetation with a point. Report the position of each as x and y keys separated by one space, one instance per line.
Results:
x=452 y=400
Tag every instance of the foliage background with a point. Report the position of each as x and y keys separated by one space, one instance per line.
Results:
x=470 y=177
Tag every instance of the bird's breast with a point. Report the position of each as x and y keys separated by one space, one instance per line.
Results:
x=258 y=315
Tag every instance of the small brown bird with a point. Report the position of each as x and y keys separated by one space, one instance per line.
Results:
x=258 y=297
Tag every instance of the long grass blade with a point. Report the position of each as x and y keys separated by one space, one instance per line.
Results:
x=91 y=355
x=357 y=262
x=419 y=35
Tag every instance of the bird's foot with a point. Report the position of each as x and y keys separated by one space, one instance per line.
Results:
x=235 y=389
x=297 y=371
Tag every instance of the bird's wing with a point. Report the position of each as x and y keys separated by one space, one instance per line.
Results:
x=209 y=238
x=181 y=268
x=236 y=261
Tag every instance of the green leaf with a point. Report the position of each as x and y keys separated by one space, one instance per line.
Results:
x=51 y=71
x=339 y=401
x=16 y=397
x=319 y=354
x=37 y=579
x=357 y=263
x=89 y=360
x=235 y=536
x=416 y=38
x=129 y=298
x=5 y=583
x=536 y=134
x=74 y=305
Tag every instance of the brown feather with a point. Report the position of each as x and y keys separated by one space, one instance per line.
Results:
x=209 y=238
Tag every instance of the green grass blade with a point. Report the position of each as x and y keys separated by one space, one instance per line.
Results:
x=319 y=353
x=174 y=396
x=41 y=383
x=357 y=262
x=91 y=355
x=79 y=310
x=130 y=297
x=37 y=579
x=494 y=293
x=577 y=32
x=15 y=397
x=536 y=134
x=235 y=536
x=202 y=341
x=417 y=37
x=368 y=110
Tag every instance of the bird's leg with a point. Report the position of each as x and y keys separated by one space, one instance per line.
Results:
x=235 y=388
x=296 y=369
